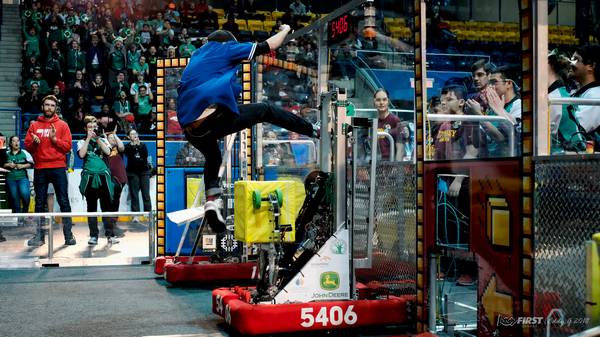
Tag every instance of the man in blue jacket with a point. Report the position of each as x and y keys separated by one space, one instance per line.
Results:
x=207 y=108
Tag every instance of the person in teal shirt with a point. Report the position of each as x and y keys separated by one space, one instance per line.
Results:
x=141 y=67
x=143 y=101
x=186 y=49
x=17 y=162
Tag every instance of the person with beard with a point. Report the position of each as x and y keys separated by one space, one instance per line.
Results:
x=49 y=140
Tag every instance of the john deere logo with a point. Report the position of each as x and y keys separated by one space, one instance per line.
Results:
x=330 y=280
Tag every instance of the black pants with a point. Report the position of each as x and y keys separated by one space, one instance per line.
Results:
x=224 y=122
x=137 y=182
x=58 y=177
x=114 y=204
x=92 y=195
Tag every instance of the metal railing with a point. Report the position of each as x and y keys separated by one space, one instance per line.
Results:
x=479 y=118
x=50 y=218
x=574 y=100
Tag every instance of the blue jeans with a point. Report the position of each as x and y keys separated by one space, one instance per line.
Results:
x=58 y=177
x=18 y=191
x=224 y=122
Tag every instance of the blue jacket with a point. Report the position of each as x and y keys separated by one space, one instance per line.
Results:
x=210 y=78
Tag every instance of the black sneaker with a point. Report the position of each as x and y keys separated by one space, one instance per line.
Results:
x=2 y=238
x=212 y=212
x=36 y=241
x=70 y=241
x=93 y=241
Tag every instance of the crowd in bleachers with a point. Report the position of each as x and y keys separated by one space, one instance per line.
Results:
x=95 y=56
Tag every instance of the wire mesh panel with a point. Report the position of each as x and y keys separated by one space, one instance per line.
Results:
x=393 y=267
x=567 y=209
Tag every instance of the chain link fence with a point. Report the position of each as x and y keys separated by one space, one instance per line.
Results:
x=567 y=209
x=393 y=268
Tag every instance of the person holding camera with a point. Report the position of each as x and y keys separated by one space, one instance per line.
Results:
x=96 y=181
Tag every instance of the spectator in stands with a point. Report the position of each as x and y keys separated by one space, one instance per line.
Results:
x=171 y=52
x=31 y=101
x=75 y=60
x=49 y=140
x=31 y=45
x=143 y=103
x=172 y=14
x=564 y=132
x=107 y=119
x=234 y=9
x=29 y=68
x=133 y=57
x=18 y=161
x=138 y=172
x=99 y=94
x=146 y=36
x=275 y=27
x=53 y=27
x=190 y=14
x=136 y=85
x=173 y=127
x=77 y=112
x=585 y=70
x=122 y=13
x=166 y=35
x=77 y=87
x=54 y=65
x=123 y=110
x=120 y=85
x=117 y=59
x=250 y=11
x=186 y=49
x=456 y=140
x=231 y=26
x=141 y=67
x=188 y=155
x=298 y=8
x=152 y=59
x=118 y=174
x=39 y=80
x=96 y=182
x=96 y=55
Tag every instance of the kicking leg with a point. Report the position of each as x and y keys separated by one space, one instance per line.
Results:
x=203 y=140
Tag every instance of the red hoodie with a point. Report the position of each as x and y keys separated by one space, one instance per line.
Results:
x=47 y=154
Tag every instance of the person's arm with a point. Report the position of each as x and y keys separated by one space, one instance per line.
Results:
x=120 y=146
x=276 y=40
x=83 y=146
x=104 y=146
x=61 y=138
x=475 y=108
x=31 y=139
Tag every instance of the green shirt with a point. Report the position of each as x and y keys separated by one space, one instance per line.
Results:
x=145 y=69
x=21 y=157
x=117 y=60
x=94 y=168
x=75 y=60
x=144 y=105
x=186 y=50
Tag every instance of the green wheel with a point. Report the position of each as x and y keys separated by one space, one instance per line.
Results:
x=256 y=199
x=279 y=197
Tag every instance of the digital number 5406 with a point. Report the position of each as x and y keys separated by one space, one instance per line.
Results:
x=334 y=316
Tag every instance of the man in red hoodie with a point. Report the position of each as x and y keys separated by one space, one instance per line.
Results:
x=49 y=140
